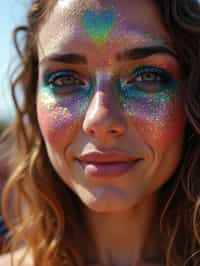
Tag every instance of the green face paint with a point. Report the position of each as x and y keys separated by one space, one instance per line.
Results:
x=98 y=24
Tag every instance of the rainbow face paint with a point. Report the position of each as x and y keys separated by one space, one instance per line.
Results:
x=109 y=80
x=148 y=93
x=63 y=96
x=98 y=24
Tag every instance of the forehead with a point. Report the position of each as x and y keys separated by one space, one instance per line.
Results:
x=129 y=22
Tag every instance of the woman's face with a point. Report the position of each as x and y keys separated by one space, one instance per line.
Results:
x=109 y=100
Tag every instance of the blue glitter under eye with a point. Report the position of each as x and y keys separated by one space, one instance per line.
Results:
x=64 y=82
x=147 y=80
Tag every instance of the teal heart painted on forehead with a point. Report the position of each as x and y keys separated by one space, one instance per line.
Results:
x=98 y=24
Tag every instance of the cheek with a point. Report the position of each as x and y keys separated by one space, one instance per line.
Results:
x=58 y=117
x=160 y=123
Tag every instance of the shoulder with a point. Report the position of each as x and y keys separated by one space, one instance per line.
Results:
x=5 y=259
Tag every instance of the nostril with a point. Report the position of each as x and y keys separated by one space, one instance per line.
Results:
x=103 y=131
x=114 y=131
x=91 y=132
x=104 y=126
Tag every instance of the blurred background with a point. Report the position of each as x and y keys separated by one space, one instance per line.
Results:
x=12 y=13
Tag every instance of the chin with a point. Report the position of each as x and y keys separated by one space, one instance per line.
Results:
x=107 y=207
x=106 y=200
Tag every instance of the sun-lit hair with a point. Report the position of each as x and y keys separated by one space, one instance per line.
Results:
x=45 y=214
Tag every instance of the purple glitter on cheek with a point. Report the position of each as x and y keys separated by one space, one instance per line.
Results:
x=62 y=110
x=156 y=109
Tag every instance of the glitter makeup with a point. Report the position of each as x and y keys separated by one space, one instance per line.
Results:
x=152 y=102
x=110 y=80
x=63 y=96
x=64 y=82
x=149 y=95
x=147 y=92
x=98 y=24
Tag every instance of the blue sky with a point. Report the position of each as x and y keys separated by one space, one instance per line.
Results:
x=12 y=13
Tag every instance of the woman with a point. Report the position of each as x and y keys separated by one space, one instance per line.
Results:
x=107 y=152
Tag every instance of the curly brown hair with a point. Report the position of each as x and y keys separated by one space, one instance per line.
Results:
x=45 y=212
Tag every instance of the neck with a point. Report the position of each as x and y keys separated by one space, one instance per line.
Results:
x=128 y=237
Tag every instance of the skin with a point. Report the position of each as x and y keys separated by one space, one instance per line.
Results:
x=146 y=125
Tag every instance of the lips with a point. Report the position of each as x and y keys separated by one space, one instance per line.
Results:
x=107 y=164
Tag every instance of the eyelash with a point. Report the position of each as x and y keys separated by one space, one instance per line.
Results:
x=74 y=81
x=160 y=74
x=162 y=80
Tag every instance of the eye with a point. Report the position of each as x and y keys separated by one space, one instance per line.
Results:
x=65 y=81
x=148 y=74
x=148 y=79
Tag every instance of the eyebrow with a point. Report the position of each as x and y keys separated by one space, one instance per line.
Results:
x=139 y=53
x=130 y=54
x=71 y=58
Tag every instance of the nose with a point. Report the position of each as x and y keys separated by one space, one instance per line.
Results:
x=104 y=116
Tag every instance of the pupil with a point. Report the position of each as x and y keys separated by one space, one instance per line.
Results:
x=150 y=76
x=65 y=81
